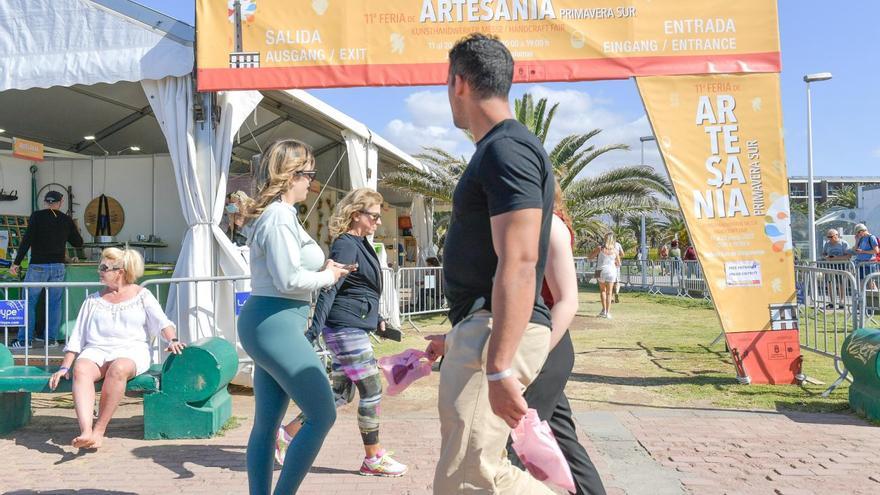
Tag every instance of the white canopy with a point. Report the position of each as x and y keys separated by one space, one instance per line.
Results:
x=85 y=61
x=43 y=43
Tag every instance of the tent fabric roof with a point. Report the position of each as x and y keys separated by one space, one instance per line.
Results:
x=70 y=68
x=45 y=43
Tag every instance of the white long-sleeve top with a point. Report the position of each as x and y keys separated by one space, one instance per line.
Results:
x=284 y=259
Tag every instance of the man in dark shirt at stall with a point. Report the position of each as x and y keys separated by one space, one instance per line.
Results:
x=47 y=234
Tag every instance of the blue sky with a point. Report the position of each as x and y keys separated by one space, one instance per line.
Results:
x=816 y=36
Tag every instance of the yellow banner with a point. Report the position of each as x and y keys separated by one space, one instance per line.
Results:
x=322 y=43
x=27 y=150
x=721 y=140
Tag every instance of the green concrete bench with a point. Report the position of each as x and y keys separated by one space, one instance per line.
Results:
x=184 y=398
x=859 y=355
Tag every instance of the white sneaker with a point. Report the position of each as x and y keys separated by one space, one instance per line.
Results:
x=608 y=316
x=601 y=314
x=382 y=465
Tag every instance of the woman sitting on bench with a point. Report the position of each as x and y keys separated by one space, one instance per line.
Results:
x=111 y=342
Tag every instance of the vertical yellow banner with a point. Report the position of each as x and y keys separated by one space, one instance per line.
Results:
x=721 y=140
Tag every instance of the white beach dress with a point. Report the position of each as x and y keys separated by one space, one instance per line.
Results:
x=607 y=267
x=105 y=331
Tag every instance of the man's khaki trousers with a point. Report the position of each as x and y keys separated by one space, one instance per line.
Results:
x=473 y=455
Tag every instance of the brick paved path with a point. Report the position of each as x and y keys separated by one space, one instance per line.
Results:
x=654 y=451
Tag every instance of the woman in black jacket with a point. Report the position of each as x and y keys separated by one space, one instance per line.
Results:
x=346 y=314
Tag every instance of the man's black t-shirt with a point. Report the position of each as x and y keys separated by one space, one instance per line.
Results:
x=47 y=234
x=509 y=171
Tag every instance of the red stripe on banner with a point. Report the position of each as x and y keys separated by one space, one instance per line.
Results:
x=435 y=74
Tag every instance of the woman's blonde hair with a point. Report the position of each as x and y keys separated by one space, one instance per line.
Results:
x=281 y=160
x=353 y=202
x=246 y=203
x=130 y=260
x=609 y=240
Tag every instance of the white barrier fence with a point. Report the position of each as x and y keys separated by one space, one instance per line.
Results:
x=833 y=297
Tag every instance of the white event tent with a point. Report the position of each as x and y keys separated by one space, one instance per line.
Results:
x=124 y=73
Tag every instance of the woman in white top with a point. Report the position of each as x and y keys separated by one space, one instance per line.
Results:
x=286 y=267
x=606 y=271
x=111 y=342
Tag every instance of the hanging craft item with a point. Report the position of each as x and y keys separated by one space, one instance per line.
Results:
x=104 y=218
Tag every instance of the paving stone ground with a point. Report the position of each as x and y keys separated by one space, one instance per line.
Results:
x=638 y=450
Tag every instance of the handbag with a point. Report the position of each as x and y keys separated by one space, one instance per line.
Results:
x=534 y=443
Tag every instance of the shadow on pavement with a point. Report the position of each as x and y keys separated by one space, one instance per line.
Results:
x=232 y=457
x=328 y=470
x=652 y=381
x=173 y=457
x=52 y=435
x=68 y=491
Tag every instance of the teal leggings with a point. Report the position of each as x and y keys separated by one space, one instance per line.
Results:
x=271 y=330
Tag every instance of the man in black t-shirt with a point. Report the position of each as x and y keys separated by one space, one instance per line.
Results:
x=494 y=258
x=46 y=237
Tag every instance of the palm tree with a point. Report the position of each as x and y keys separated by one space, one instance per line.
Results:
x=438 y=181
x=624 y=191
x=572 y=154
x=676 y=229
x=846 y=198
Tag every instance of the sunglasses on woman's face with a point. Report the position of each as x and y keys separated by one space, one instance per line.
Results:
x=373 y=216
x=309 y=174
x=107 y=268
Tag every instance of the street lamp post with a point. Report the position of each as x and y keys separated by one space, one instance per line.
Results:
x=643 y=237
x=811 y=199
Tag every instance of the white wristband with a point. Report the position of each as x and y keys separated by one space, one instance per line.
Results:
x=501 y=375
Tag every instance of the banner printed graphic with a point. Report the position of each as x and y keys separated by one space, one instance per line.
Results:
x=721 y=140
x=278 y=44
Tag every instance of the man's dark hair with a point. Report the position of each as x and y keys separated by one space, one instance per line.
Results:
x=484 y=62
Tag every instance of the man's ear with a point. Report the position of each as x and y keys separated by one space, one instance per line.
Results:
x=460 y=86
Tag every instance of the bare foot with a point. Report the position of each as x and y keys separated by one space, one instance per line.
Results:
x=82 y=440
x=95 y=441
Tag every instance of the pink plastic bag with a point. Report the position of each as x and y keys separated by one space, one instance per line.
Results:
x=534 y=443
x=402 y=369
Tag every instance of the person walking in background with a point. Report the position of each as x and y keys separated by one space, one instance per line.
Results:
x=663 y=254
x=675 y=258
x=866 y=253
x=690 y=259
x=48 y=233
x=346 y=314
x=236 y=223
x=835 y=251
x=286 y=267
x=494 y=259
x=621 y=253
x=835 y=248
x=607 y=269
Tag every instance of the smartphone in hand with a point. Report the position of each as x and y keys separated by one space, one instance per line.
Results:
x=350 y=267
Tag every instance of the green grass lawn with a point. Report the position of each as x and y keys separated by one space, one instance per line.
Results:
x=656 y=352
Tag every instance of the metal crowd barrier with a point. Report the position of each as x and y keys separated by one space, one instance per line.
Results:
x=692 y=280
x=673 y=277
x=420 y=291
x=216 y=320
x=388 y=299
x=828 y=310
x=68 y=313
x=870 y=300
